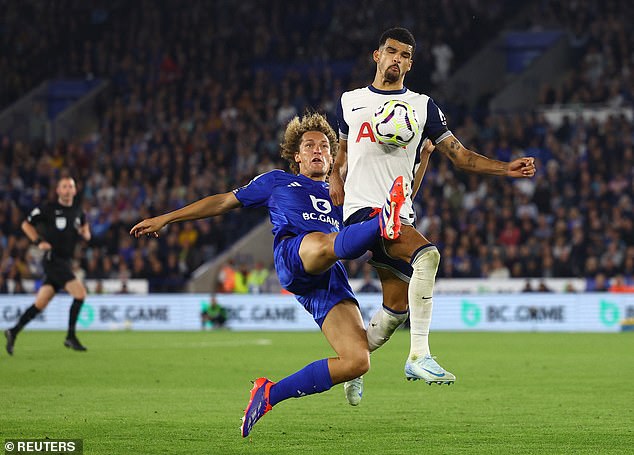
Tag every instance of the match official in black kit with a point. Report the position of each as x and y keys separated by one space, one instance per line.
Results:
x=56 y=228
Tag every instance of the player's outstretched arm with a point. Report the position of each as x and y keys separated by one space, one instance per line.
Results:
x=470 y=161
x=428 y=148
x=338 y=174
x=206 y=207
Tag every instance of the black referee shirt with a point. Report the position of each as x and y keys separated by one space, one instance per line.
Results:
x=58 y=225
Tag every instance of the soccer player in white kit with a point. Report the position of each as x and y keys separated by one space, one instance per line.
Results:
x=406 y=266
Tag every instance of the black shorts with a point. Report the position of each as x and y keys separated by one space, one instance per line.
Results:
x=380 y=259
x=57 y=272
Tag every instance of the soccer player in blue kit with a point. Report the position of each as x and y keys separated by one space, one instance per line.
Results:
x=309 y=240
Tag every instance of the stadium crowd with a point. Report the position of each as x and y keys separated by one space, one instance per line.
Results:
x=197 y=100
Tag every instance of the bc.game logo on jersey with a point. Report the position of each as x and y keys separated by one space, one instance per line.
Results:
x=323 y=206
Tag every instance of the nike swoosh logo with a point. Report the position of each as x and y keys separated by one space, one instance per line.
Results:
x=435 y=374
x=357 y=108
x=426 y=298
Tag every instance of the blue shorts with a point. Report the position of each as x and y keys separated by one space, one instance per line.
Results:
x=380 y=258
x=317 y=293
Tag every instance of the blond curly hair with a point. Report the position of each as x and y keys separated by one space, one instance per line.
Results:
x=311 y=121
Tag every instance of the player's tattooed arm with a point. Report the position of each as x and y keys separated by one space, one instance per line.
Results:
x=470 y=161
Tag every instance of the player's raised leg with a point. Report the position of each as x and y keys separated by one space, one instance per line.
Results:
x=354 y=240
x=319 y=251
x=390 y=215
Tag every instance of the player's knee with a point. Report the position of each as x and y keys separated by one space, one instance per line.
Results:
x=396 y=301
x=426 y=258
x=41 y=304
x=326 y=249
x=358 y=364
x=79 y=293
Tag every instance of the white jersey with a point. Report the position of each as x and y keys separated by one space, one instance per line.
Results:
x=373 y=166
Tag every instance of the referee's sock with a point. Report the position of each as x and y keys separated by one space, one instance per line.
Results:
x=26 y=317
x=75 y=308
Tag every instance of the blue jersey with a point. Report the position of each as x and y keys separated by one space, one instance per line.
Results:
x=296 y=204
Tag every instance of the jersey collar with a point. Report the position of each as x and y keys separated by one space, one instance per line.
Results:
x=314 y=182
x=387 y=92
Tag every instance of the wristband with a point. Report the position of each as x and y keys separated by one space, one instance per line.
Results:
x=37 y=241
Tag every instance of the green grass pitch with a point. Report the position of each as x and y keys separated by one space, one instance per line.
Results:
x=184 y=393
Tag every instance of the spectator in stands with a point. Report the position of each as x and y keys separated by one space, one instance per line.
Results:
x=227 y=277
x=38 y=124
x=619 y=285
x=124 y=288
x=98 y=287
x=241 y=279
x=18 y=287
x=4 y=288
x=498 y=270
x=598 y=284
x=369 y=284
x=443 y=55
x=528 y=287
x=542 y=287
x=256 y=278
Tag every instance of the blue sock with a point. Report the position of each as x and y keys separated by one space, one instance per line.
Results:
x=354 y=240
x=313 y=378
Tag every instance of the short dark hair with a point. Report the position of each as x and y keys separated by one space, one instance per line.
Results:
x=64 y=174
x=399 y=34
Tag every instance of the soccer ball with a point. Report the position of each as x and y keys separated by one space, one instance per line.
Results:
x=395 y=123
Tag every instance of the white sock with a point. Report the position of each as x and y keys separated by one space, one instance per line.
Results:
x=419 y=294
x=382 y=325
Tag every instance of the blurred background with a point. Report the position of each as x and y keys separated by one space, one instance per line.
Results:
x=152 y=105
